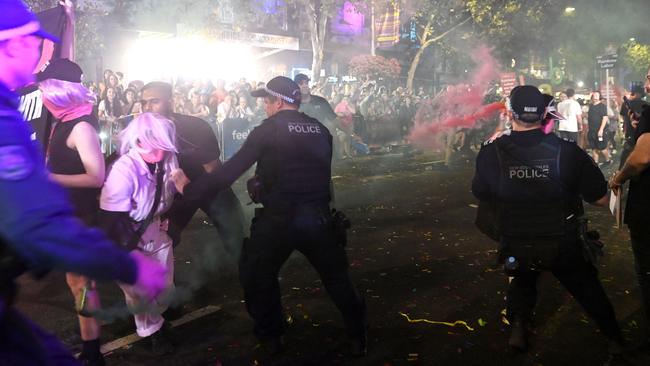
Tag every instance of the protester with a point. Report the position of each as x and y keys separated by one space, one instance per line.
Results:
x=571 y=124
x=137 y=192
x=598 y=119
x=76 y=162
x=196 y=108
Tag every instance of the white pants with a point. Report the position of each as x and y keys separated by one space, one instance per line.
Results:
x=157 y=245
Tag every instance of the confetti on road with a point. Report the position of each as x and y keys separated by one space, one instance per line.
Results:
x=457 y=322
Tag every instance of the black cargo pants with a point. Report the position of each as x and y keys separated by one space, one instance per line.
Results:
x=275 y=234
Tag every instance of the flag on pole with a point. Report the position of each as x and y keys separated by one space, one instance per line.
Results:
x=31 y=104
x=387 y=25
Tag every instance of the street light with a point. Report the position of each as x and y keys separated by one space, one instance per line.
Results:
x=569 y=10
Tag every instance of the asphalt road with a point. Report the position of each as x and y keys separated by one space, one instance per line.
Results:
x=414 y=254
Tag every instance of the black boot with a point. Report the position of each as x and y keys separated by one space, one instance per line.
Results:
x=518 y=340
x=91 y=354
x=359 y=345
x=88 y=359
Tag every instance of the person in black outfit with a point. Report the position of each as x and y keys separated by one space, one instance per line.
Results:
x=538 y=181
x=198 y=154
x=637 y=209
x=293 y=154
x=76 y=162
x=597 y=119
x=636 y=103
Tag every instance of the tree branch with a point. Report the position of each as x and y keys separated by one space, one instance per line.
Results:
x=440 y=36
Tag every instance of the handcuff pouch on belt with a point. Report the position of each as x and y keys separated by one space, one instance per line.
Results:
x=532 y=233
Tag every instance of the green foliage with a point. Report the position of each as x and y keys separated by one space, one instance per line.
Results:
x=515 y=27
x=637 y=56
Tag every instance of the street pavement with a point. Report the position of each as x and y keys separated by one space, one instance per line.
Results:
x=434 y=293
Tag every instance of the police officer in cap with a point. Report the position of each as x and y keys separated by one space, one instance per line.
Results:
x=293 y=154
x=537 y=182
x=38 y=229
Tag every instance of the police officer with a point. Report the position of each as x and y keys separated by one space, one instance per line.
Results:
x=537 y=182
x=293 y=154
x=38 y=230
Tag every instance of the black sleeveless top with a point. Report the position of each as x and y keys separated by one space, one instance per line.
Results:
x=66 y=161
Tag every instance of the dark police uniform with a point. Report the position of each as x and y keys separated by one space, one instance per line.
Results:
x=637 y=218
x=539 y=182
x=37 y=226
x=293 y=153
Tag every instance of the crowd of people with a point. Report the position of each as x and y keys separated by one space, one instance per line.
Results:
x=368 y=113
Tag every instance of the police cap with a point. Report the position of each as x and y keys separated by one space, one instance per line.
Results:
x=17 y=21
x=281 y=87
x=527 y=103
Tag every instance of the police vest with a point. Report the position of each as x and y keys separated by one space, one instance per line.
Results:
x=297 y=169
x=533 y=201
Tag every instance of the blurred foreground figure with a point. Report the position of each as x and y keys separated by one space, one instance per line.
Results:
x=38 y=229
x=293 y=153
x=637 y=209
x=536 y=182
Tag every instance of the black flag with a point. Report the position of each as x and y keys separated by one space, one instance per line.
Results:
x=31 y=104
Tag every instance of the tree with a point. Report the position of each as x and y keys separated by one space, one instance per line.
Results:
x=637 y=56
x=370 y=67
x=436 y=20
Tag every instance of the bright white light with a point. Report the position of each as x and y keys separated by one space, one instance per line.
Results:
x=160 y=57
x=632 y=39
x=569 y=9
x=102 y=135
x=580 y=84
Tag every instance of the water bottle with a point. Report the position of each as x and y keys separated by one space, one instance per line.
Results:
x=511 y=264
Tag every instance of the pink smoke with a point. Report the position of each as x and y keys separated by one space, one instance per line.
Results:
x=460 y=105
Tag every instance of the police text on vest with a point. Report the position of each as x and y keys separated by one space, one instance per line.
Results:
x=304 y=128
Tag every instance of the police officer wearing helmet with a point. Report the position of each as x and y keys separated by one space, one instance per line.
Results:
x=39 y=232
x=293 y=153
x=537 y=182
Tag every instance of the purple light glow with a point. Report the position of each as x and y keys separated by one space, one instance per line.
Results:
x=348 y=21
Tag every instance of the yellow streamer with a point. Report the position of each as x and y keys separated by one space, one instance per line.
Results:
x=457 y=322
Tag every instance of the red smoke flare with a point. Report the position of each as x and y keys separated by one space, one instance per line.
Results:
x=461 y=105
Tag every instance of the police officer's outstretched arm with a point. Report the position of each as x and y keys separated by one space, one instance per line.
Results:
x=592 y=184
x=224 y=176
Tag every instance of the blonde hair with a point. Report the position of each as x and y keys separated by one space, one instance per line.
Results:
x=149 y=131
x=66 y=94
